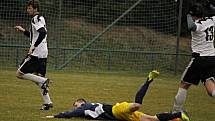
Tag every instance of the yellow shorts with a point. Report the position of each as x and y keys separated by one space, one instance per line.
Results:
x=122 y=112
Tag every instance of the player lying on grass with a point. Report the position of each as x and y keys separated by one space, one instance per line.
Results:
x=121 y=111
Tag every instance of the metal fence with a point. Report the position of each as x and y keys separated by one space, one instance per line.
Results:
x=106 y=35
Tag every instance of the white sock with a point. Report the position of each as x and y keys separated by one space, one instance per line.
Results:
x=34 y=78
x=213 y=93
x=46 y=97
x=180 y=99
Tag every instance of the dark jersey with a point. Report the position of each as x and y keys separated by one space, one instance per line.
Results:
x=96 y=111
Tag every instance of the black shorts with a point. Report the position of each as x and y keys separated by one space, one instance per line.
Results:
x=33 y=64
x=199 y=68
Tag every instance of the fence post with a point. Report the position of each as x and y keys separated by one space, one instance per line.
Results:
x=178 y=35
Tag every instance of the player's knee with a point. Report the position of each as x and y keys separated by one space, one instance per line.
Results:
x=184 y=85
x=211 y=93
x=210 y=87
x=19 y=74
x=135 y=107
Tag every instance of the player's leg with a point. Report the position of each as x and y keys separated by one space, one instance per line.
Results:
x=190 y=76
x=47 y=103
x=44 y=87
x=181 y=96
x=209 y=75
x=27 y=67
x=172 y=116
x=143 y=89
x=134 y=107
x=165 y=117
x=210 y=86
x=121 y=111
x=25 y=62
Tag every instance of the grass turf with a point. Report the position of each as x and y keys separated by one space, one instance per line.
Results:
x=20 y=99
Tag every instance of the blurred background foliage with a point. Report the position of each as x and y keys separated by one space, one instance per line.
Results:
x=96 y=9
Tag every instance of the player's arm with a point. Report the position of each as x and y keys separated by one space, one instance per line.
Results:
x=69 y=114
x=190 y=23
x=42 y=35
x=21 y=29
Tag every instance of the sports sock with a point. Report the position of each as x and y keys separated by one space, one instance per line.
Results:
x=180 y=99
x=213 y=93
x=168 y=116
x=142 y=92
x=34 y=78
x=46 y=97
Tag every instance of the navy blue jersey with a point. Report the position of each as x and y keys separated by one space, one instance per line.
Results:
x=89 y=110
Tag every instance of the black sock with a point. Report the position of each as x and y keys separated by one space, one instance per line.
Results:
x=141 y=92
x=168 y=116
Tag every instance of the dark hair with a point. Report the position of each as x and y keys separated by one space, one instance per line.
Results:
x=196 y=10
x=80 y=100
x=34 y=3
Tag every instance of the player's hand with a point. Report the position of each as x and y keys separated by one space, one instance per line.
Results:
x=49 y=117
x=19 y=29
x=31 y=50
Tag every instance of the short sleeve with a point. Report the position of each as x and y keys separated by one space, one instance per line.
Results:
x=38 y=22
x=213 y=19
x=199 y=27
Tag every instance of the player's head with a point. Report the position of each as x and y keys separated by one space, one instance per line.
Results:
x=196 y=10
x=79 y=102
x=33 y=7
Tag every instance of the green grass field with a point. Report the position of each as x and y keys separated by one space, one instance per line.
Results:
x=20 y=99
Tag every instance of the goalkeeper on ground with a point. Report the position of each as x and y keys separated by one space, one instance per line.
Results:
x=120 y=111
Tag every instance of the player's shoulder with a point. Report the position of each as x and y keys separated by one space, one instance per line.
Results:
x=210 y=18
x=37 y=18
x=213 y=18
x=205 y=22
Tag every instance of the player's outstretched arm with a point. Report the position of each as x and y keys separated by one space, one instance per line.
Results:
x=21 y=29
x=69 y=114
x=48 y=117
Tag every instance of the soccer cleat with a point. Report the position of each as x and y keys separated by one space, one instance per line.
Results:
x=45 y=86
x=184 y=117
x=46 y=106
x=152 y=75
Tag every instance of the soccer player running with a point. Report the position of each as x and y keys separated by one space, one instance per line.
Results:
x=120 y=111
x=202 y=64
x=33 y=66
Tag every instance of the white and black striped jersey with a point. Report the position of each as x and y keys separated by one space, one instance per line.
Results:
x=37 y=22
x=203 y=38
